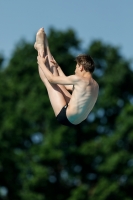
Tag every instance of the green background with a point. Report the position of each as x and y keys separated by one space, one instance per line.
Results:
x=43 y=160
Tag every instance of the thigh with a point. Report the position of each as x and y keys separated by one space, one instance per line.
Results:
x=65 y=93
x=55 y=94
x=58 y=94
x=56 y=97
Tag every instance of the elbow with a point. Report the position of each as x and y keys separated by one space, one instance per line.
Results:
x=51 y=79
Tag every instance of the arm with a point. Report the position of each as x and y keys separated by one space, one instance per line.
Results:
x=61 y=73
x=62 y=80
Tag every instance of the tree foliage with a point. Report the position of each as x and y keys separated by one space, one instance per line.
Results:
x=43 y=160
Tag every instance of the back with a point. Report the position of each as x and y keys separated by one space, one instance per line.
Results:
x=83 y=99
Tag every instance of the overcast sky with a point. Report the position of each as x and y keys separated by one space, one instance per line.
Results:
x=110 y=21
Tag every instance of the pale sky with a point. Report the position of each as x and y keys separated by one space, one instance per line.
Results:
x=107 y=20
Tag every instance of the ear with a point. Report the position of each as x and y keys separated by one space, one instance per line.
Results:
x=81 y=68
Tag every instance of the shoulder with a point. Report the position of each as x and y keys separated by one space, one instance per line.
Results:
x=92 y=83
x=75 y=78
x=96 y=85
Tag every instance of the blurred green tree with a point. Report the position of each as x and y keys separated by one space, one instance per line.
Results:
x=43 y=160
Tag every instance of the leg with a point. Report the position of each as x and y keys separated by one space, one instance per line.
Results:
x=54 y=70
x=56 y=95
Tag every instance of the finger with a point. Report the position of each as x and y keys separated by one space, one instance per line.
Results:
x=39 y=53
x=42 y=54
x=46 y=57
x=53 y=59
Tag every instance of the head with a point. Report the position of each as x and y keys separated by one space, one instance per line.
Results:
x=86 y=61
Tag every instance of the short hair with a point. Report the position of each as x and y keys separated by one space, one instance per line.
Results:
x=86 y=61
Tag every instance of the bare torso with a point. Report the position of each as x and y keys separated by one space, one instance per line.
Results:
x=83 y=99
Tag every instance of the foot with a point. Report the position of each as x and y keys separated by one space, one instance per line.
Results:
x=40 y=42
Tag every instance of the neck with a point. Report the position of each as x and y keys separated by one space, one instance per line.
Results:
x=86 y=74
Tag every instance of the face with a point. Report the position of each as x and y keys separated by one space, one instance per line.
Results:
x=76 y=69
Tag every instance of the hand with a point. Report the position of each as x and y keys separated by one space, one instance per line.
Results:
x=41 y=60
x=54 y=62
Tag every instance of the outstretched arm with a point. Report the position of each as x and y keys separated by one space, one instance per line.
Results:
x=62 y=80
